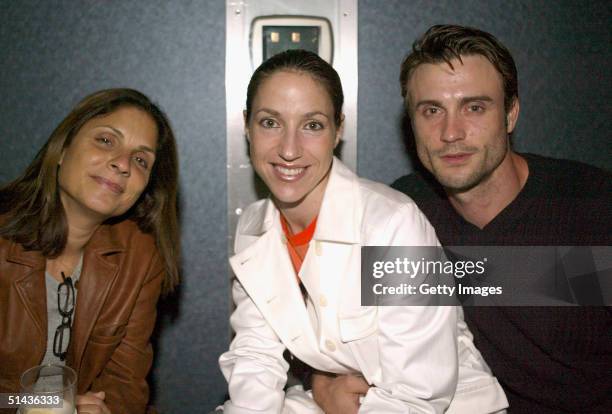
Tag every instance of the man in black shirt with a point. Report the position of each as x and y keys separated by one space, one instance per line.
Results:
x=461 y=94
x=547 y=359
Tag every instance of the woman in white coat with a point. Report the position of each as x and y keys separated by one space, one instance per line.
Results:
x=297 y=267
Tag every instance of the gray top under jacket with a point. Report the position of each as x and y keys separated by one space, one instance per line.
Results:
x=54 y=319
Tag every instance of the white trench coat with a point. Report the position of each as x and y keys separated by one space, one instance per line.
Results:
x=418 y=359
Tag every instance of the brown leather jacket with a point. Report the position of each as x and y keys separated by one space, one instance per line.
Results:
x=114 y=316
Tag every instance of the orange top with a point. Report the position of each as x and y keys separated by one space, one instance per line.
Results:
x=297 y=244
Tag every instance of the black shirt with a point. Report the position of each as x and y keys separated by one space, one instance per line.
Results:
x=548 y=359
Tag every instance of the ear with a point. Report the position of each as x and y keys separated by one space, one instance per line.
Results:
x=246 y=126
x=339 y=131
x=512 y=116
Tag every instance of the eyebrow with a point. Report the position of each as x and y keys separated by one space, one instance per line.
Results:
x=120 y=134
x=268 y=110
x=483 y=98
x=463 y=100
x=313 y=113
x=428 y=102
x=276 y=113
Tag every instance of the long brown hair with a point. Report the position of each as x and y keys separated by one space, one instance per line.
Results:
x=35 y=217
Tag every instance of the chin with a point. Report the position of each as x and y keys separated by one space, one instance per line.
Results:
x=459 y=184
x=288 y=199
x=104 y=210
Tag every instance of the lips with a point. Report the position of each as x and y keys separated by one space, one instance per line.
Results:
x=456 y=158
x=288 y=173
x=108 y=184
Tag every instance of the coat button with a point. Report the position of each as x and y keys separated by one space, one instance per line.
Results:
x=318 y=248
x=329 y=344
x=323 y=301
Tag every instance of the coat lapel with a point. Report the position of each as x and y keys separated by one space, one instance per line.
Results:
x=337 y=240
x=270 y=281
x=265 y=271
x=31 y=285
x=100 y=268
x=339 y=218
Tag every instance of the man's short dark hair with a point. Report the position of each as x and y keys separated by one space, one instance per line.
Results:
x=443 y=43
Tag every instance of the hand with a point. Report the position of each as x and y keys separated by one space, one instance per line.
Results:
x=338 y=394
x=92 y=403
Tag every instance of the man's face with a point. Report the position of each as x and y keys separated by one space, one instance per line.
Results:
x=459 y=121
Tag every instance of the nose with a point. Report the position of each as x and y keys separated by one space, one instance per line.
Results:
x=290 y=147
x=120 y=164
x=453 y=128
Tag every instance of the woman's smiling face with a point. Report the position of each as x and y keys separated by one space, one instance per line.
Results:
x=292 y=137
x=106 y=167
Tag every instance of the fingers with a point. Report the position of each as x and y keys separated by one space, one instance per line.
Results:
x=90 y=396
x=321 y=380
x=338 y=394
x=355 y=384
x=92 y=403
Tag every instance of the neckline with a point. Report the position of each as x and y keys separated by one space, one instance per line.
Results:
x=517 y=207
x=302 y=237
x=76 y=273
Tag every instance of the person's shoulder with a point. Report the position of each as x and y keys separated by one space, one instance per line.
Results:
x=346 y=186
x=129 y=233
x=254 y=221
x=382 y=195
x=563 y=165
x=4 y=247
x=419 y=186
x=255 y=214
x=409 y=182
x=390 y=217
x=383 y=207
x=255 y=209
x=568 y=176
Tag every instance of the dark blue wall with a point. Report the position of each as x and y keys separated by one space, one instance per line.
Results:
x=561 y=49
x=54 y=53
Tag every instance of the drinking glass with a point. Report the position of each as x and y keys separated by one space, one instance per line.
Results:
x=47 y=385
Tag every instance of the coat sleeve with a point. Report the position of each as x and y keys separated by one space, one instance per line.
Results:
x=417 y=345
x=123 y=378
x=254 y=366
